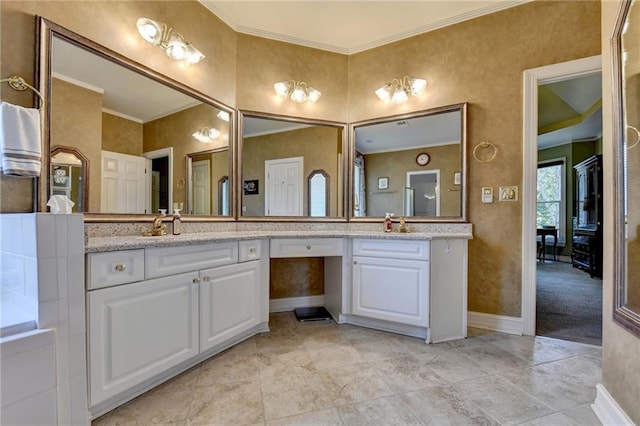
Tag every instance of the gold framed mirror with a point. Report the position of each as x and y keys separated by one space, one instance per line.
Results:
x=276 y=155
x=411 y=165
x=125 y=116
x=626 y=52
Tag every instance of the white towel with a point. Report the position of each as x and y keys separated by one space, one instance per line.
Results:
x=20 y=141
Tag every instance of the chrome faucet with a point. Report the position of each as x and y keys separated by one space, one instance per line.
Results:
x=157 y=229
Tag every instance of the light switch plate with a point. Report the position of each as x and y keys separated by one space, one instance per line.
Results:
x=487 y=194
x=508 y=193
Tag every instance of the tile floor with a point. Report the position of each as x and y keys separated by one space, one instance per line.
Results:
x=320 y=373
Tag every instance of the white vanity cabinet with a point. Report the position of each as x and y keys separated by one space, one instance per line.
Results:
x=390 y=280
x=139 y=330
x=229 y=302
x=413 y=287
x=191 y=302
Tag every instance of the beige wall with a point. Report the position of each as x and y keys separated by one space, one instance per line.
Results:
x=481 y=61
x=262 y=62
x=319 y=145
x=121 y=135
x=395 y=166
x=620 y=349
x=76 y=121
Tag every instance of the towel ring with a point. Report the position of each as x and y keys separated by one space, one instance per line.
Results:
x=17 y=83
x=637 y=137
x=485 y=144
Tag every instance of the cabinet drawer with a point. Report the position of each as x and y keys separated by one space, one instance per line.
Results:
x=165 y=261
x=249 y=250
x=114 y=267
x=306 y=247
x=391 y=249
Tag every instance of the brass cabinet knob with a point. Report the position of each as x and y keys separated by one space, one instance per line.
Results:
x=120 y=267
x=308 y=247
x=196 y=281
x=206 y=278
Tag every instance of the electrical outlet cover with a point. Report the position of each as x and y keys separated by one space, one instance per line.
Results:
x=508 y=193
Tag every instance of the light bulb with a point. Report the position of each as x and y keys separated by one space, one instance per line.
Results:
x=399 y=96
x=150 y=30
x=177 y=48
x=298 y=95
x=213 y=133
x=223 y=115
x=281 y=88
x=384 y=93
x=417 y=85
x=195 y=55
x=313 y=94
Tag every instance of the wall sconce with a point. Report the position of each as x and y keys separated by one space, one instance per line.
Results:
x=172 y=42
x=398 y=90
x=297 y=91
x=206 y=134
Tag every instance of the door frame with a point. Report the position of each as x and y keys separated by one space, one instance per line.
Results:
x=152 y=155
x=191 y=207
x=428 y=172
x=532 y=79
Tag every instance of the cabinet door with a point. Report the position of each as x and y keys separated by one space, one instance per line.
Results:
x=391 y=289
x=229 y=302
x=137 y=331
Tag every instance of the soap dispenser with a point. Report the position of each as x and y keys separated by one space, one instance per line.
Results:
x=177 y=222
x=388 y=225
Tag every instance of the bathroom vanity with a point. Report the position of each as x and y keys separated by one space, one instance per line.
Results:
x=159 y=305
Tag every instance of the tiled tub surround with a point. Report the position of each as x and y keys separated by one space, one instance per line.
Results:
x=44 y=370
x=410 y=254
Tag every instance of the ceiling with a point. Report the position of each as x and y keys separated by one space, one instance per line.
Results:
x=347 y=26
x=570 y=111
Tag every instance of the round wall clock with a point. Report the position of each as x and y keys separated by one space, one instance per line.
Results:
x=423 y=159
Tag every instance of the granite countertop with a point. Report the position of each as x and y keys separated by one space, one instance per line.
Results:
x=131 y=242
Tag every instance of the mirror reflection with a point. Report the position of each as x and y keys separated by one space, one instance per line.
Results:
x=208 y=185
x=410 y=165
x=138 y=132
x=69 y=171
x=281 y=163
x=627 y=297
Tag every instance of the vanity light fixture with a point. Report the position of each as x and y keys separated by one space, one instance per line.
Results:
x=398 y=90
x=172 y=42
x=206 y=134
x=297 y=91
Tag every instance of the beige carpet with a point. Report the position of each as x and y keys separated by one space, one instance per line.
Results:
x=568 y=304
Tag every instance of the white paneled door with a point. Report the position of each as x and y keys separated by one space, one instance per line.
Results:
x=124 y=188
x=283 y=193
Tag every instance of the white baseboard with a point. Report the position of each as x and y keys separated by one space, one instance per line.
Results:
x=501 y=323
x=608 y=410
x=290 y=303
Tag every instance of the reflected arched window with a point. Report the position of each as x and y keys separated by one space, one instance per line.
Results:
x=318 y=193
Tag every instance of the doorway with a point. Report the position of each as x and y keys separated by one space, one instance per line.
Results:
x=533 y=80
x=161 y=166
x=422 y=194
